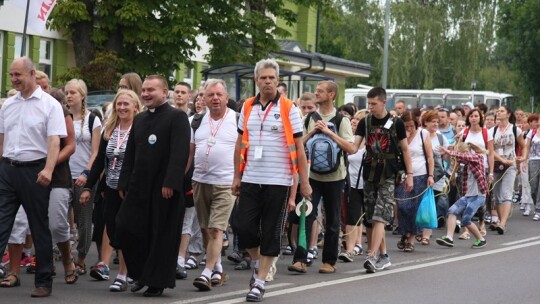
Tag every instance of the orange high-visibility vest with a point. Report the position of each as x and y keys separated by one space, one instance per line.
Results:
x=285 y=108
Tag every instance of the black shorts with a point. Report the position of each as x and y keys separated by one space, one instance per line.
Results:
x=261 y=217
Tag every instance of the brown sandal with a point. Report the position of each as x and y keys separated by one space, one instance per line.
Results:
x=11 y=280
x=425 y=241
x=81 y=269
x=218 y=281
x=408 y=247
x=70 y=276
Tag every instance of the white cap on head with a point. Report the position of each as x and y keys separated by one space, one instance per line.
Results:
x=468 y=104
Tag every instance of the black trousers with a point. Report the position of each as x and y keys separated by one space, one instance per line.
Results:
x=330 y=192
x=18 y=186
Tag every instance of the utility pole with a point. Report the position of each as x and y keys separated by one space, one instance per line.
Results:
x=385 y=53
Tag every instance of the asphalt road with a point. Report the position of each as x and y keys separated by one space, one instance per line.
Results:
x=505 y=271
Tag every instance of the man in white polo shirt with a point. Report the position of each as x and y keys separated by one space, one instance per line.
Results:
x=214 y=141
x=31 y=124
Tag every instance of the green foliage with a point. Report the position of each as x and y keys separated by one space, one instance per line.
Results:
x=102 y=73
x=520 y=33
x=433 y=44
x=70 y=73
x=156 y=36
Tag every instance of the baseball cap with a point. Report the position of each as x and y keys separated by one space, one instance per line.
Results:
x=469 y=104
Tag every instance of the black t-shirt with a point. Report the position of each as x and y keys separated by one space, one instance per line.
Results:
x=380 y=141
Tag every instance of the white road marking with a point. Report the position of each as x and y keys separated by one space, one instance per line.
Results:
x=303 y=288
x=521 y=241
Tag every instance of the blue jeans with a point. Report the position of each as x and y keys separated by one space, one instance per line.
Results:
x=467 y=207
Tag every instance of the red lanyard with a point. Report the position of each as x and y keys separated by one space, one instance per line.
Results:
x=264 y=117
x=119 y=140
x=213 y=132
x=265 y=113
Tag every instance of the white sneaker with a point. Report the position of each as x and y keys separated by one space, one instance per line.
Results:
x=536 y=216
x=527 y=210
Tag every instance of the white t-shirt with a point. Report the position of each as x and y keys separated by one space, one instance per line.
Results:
x=504 y=141
x=534 y=152
x=79 y=159
x=355 y=160
x=214 y=163
x=417 y=153
x=477 y=138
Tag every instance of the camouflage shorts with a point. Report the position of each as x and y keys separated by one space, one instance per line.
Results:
x=379 y=201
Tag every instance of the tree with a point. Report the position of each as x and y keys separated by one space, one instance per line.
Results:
x=519 y=33
x=433 y=43
x=156 y=36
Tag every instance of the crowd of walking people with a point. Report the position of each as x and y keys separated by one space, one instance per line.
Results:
x=163 y=187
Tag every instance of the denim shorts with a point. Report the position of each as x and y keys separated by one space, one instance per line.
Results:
x=466 y=207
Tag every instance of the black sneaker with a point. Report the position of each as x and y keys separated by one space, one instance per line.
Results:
x=458 y=227
x=478 y=244
x=181 y=272
x=441 y=222
x=445 y=241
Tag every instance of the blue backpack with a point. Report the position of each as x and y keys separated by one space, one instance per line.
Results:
x=323 y=152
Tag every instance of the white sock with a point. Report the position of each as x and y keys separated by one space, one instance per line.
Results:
x=260 y=283
x=207 y=273
x=494 y=218
x=181 y=261
x=254 y=264
x=122 y=277
x=218 y=267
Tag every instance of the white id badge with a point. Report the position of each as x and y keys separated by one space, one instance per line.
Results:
x=500 y=151
x=258 y=152
x=388 y=124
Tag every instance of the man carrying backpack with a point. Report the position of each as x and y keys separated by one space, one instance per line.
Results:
x=387 y=162
x=327 y=137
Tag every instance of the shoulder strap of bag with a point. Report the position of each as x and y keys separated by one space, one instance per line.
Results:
x=424 y=149
x=91 y=124
x=465 y=133
x=360 y=170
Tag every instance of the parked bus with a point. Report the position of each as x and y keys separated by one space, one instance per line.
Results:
x=447 y=98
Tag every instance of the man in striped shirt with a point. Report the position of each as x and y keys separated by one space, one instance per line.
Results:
x=268 y=154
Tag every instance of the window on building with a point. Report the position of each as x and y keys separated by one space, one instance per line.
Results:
x=188 y=75
x=45 y=56
x=18 y=45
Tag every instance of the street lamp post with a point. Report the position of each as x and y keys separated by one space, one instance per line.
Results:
x=473 y=87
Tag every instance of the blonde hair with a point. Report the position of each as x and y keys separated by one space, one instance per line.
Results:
x=113 y=120
x=83 y=90
x=360 y=114
x=468 y=147
x=41 y=75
